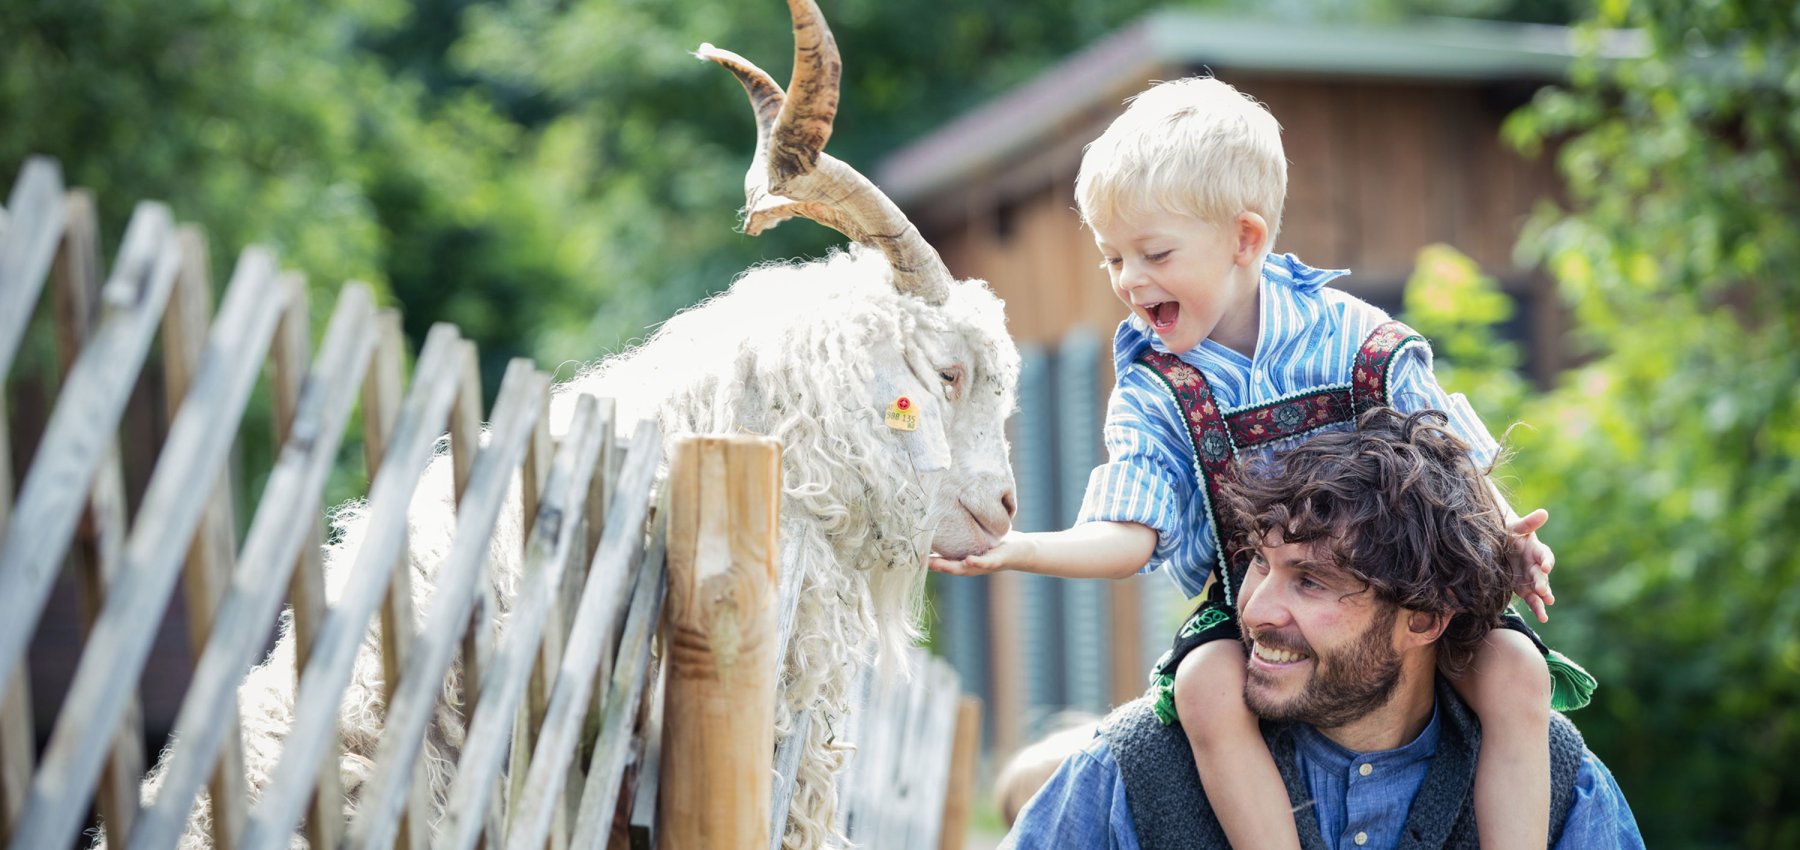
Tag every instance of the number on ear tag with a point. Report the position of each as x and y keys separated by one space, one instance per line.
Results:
x=901 y=416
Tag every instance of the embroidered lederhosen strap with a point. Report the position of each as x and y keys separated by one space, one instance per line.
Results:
x=1214 y=437
x=1209 y=441
x=1374 y=359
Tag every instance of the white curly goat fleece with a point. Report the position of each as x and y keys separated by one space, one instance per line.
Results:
x=809 y=354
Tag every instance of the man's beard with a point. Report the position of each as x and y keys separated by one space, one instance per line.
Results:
x=1343 y=686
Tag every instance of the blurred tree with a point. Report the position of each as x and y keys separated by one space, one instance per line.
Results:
x=266 y=122
x=553 y=177
x=1670 y=461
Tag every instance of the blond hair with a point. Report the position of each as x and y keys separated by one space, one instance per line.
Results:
x=1194 y=146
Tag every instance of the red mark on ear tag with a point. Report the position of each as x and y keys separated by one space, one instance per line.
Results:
x=901 y=416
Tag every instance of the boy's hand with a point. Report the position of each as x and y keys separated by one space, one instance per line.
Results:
x=1531 y=562
x=1013 y=551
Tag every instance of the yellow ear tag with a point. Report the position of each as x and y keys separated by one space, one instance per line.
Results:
x=902 y=416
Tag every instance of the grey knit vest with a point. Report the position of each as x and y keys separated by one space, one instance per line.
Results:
x=1170 y=810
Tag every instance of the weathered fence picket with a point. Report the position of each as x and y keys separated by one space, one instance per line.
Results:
x=273 y=547
x=100 y=535
x=102 y=693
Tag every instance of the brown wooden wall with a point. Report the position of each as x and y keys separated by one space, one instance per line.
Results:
x=1378 y=169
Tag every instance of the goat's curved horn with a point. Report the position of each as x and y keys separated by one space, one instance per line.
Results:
x=791 y=174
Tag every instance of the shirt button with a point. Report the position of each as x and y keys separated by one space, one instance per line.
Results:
x=1362 y=838
x=1366 y=769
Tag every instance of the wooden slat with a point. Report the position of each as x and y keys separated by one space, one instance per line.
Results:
x=535 y=470
x=537 y=695
x=27 y=246
x=787 y=771
x=605 y=602
x=959 y=792
x=81 y=428
x=788 y=749
x=478 y=769
x=600 y=488
x=114 y=659
x=312 y=430
x=382 y=388
x=478 y=655
x=606 y=770
x=593 y=521
x=17 y=747
x=719 y=731
x=478 y=631
x=409 y=712
x=893 y=791
x=324 y=827
x=209 y=558
x=861 y=726
x=100 y=536
x=78 y=275
x=641 y=825
x=465 y=422
x=322 y=684
x=932 y=741
x=16 y=751
x=76 y=259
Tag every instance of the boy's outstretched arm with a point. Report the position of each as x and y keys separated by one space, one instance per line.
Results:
x=1529 y=558
x=1090 y=550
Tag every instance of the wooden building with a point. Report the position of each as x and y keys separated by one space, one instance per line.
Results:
x=1394 y=141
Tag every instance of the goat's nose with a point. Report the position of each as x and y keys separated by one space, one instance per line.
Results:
x=1010 y=504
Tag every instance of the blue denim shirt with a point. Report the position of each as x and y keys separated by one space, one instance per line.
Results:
x=1083 y=805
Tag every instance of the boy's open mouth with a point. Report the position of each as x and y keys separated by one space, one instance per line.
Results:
x=1163 y=314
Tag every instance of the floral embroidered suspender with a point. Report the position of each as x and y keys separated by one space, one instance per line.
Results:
x=1215 y=436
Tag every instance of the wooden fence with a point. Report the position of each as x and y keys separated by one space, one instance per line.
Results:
x=577 y=736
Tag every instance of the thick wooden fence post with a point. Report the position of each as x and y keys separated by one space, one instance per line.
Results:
x=960 y=790
x=719 y=730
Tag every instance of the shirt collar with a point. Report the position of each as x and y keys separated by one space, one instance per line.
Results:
x=1293 y=277
x=1314 y=746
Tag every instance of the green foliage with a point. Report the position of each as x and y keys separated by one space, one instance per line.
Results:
x=553 y=177
x=1456 y=306
x=1670 y=461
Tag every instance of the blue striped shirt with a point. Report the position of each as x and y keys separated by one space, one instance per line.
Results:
x=1308 y=338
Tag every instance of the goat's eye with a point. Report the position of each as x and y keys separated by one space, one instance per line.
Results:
x=952 y=377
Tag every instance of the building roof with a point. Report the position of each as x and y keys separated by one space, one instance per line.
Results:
x=1441 y=49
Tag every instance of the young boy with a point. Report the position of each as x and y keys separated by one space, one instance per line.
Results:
x=1229 y=349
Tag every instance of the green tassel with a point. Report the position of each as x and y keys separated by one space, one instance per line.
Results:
x=1164 y=705
x=1570 y=686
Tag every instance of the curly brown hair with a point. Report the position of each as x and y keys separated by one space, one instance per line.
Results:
x=1397 y=503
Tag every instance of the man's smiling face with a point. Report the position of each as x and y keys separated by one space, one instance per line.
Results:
x=1323 y=650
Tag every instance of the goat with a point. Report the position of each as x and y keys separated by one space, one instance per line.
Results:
x=811 y=354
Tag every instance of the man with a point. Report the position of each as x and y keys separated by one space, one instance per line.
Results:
x=1375 y=566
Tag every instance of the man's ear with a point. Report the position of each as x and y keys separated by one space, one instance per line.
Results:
x=1424 y=627
x=1252 y=234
